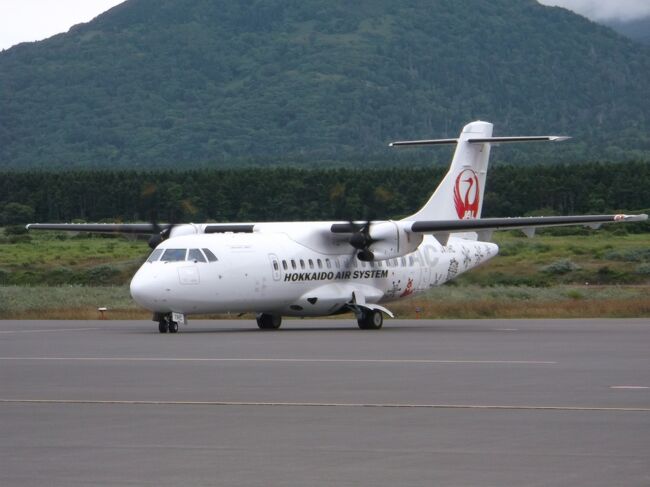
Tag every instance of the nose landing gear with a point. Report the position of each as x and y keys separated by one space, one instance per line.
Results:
x=166 y=324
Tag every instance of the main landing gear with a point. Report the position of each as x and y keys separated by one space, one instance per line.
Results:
x=268 y=322
x=371 y=319
x=166 y=324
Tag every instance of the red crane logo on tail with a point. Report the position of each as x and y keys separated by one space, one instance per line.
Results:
x=467 y=194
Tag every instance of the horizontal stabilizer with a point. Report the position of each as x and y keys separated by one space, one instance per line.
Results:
x=482 y=140
x=535 y=138
x=423 y=142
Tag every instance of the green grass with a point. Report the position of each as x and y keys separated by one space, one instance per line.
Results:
x=19 y=299
x=595 y=257
x=56 y=259
x=541 y=277
x=78 y=302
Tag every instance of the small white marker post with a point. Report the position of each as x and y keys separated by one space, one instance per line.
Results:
x=102 y=313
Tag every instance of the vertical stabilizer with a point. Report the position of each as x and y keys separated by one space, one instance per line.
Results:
x=460 y=194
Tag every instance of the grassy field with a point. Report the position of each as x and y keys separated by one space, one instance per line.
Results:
x=48 y=258
x=593 y=274
x=470 y=301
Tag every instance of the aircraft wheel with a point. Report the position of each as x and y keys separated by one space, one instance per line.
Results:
x=173 y=327
x=163 y=326
x=269 y=322
x=371 y=320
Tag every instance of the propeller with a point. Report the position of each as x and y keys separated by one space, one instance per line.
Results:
x=360 y=240
x=160 y=232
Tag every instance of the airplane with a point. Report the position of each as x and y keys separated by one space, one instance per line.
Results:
x=310 y=269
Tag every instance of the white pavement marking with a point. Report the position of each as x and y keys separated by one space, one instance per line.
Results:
x=285 y=360
x=629 y=387
x=321 y=404
x=506 y=329
x=50 y=330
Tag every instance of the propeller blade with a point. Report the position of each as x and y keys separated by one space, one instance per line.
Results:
x=161 y=233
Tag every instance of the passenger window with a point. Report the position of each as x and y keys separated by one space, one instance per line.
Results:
x=328 y=263
x=372 y=264
x=155 y=255
x=311 y=264
x=403 y=261
x=211 y=257
x=337 y=263
x=284 y=265
x=302 y=264
x=320 y=263
x=293 y=264
x=195 y=255
x=174 y=255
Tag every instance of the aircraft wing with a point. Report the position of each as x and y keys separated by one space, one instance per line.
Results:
x=133 y=228
x=521 y=223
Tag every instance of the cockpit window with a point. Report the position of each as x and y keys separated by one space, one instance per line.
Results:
x=211 y=257
x=195 y=255
x=174 y=255
x=155 y=255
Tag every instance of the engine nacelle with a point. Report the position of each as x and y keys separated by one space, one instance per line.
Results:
x=392 y=240
x=184 y=229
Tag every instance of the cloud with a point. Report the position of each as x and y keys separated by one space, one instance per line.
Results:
x=605 y=9
x=32 y=20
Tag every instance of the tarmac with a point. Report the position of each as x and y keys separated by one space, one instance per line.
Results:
x=322 y=403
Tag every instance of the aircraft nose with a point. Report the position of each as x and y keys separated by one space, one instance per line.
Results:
x=144 y=289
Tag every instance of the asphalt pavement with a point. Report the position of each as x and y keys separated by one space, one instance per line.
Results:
x=322 y=403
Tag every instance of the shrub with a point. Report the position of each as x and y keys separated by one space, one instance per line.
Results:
x=14 y=239
x=15 y=230
x=561 y=267
x=574 y=294
x=100 y=275
x=14 y=213
x=643 y=269
x=631 y=255
x=521 y=246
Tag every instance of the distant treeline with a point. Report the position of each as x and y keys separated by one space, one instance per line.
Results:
x=299 y=194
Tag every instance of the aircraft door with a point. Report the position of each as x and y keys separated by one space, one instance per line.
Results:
x=275 y=266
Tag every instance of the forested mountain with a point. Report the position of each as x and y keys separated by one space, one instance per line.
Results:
x=180 y=83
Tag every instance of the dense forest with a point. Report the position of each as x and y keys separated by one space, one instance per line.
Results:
x=188 y=83
x=299 y=194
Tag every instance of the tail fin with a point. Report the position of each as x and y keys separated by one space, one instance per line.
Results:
x=460 y=194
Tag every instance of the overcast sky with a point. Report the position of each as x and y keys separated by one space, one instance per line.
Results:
x=32 y=20
x=605 y=9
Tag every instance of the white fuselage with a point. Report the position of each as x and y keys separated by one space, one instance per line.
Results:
x=297 y=269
